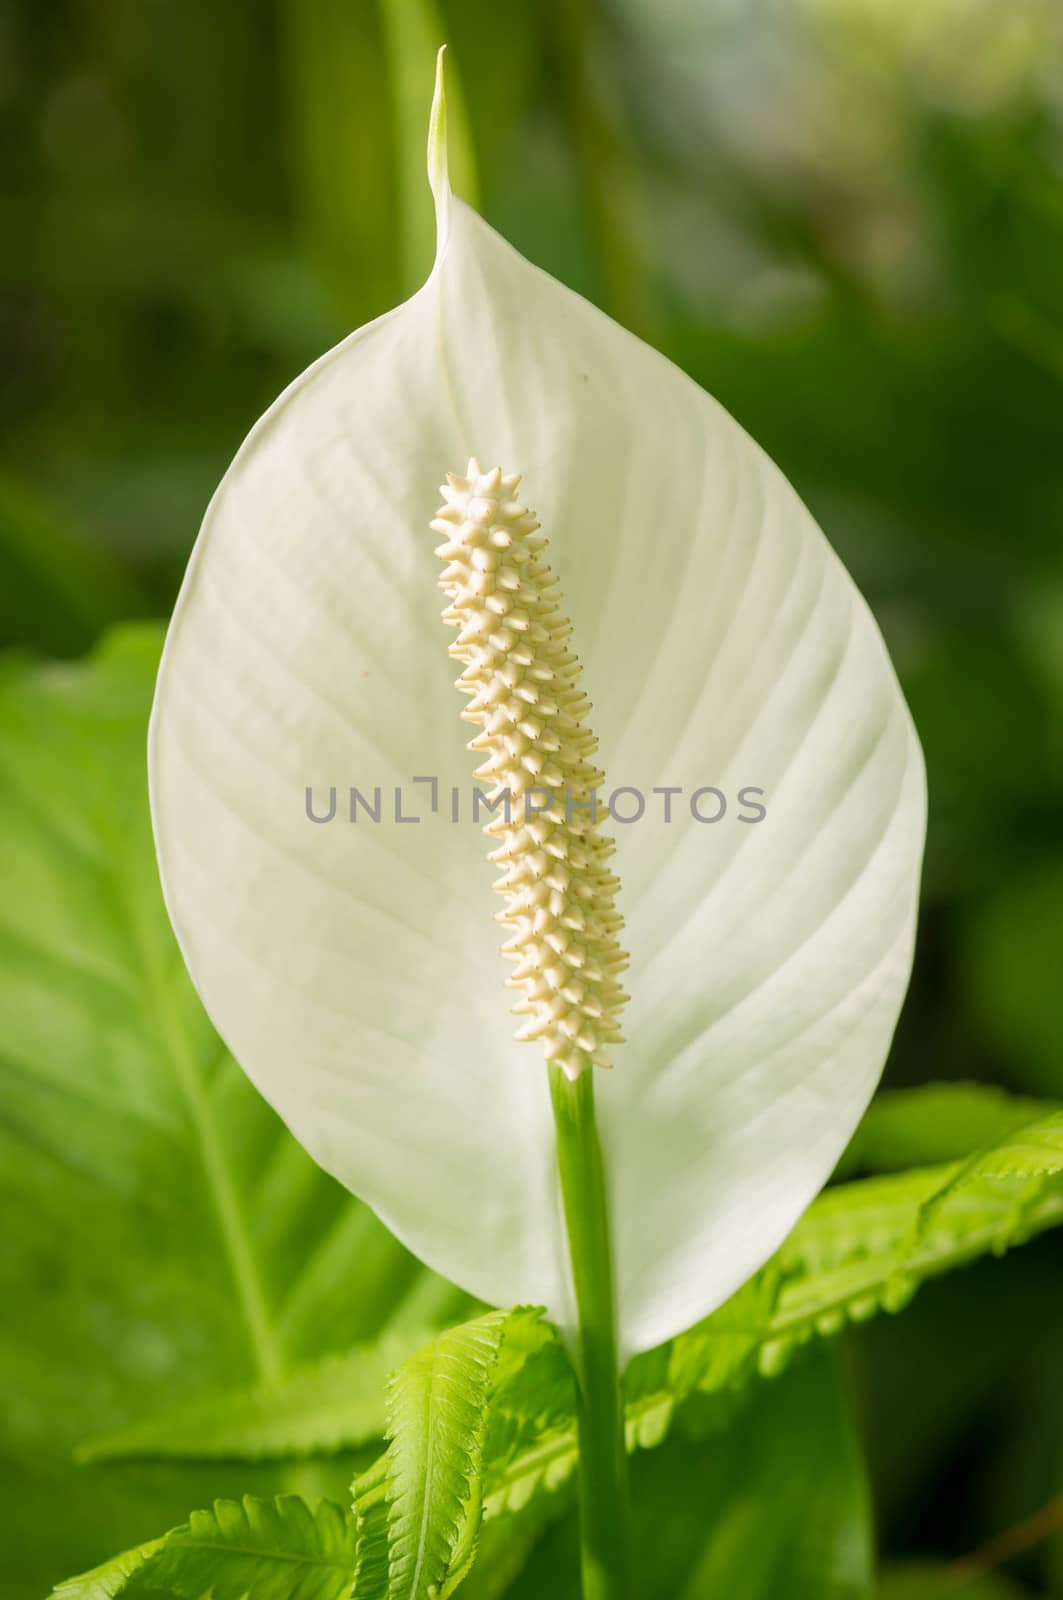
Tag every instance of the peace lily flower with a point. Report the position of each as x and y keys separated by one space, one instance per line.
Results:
x=354 y=968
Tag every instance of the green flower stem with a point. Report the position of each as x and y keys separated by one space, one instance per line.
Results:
x=603 y=1458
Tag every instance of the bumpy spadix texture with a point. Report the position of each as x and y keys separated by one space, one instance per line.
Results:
x=522 y=679
x=353 y=967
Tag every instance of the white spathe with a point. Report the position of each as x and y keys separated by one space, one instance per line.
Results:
x=354 y=968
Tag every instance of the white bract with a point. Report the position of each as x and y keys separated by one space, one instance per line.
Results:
x=353 y=967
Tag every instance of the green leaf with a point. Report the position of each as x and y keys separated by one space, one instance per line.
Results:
x=503 y=1551
x=369 y=1498
x=862 y=1248
x=436 y=1422
x=109 y=1580
x=934 y=1123
x=776 y=1505
x=793 y=1514
x=521 y=1336
x=239 y=1550
x=322 y=1406
x=162 y=1224
x=252 y=1550
x=164 y=1236
x=437 y=1406
x=865 y=1247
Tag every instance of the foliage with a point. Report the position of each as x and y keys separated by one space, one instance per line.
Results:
x=318 y=1406
x=938 y=1122
x=841 y=219
x=863 y=1246
x=239 y=1550
x=192 y=1245
x=432 y=1470
x=775 y=1504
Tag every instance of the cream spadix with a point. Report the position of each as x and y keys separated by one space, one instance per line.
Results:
x=353 y=968
x=523 y=681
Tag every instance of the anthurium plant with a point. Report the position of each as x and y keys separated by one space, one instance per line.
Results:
x=698 y=793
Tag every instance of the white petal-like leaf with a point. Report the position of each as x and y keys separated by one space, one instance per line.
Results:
x=353 y=967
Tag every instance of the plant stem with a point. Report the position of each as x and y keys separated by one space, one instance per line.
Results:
x=603 y=1458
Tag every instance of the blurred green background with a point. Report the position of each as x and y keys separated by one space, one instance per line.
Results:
x=842 y=217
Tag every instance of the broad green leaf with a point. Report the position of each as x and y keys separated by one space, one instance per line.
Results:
x=252 y=1550
x=938 y=1122
x=436 y=1421
x=164 y=1237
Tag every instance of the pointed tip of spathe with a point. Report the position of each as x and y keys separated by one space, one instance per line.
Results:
x=438 y=169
